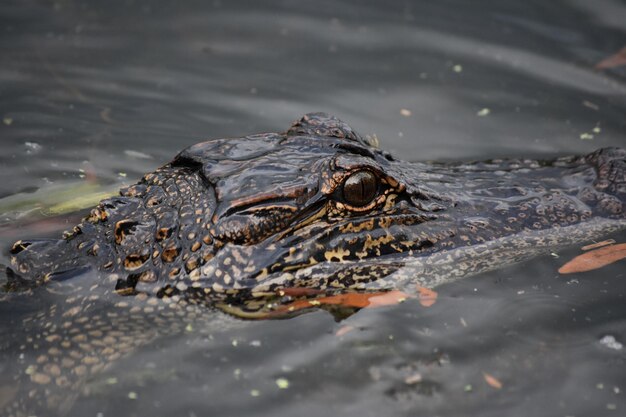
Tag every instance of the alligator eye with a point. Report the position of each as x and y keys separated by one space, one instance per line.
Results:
x=360 y=188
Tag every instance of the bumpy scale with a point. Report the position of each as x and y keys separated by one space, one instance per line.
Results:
x=231 y=221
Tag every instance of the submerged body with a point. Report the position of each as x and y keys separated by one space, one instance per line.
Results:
x=317 y=207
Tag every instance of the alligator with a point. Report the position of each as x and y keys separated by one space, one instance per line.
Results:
x=238 y=222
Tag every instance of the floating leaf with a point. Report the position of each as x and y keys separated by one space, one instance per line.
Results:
x=297 y=300
x=354 y=300
x=363 y=300
x=616 y=60
x=426 y=296
x=59 y=199
x=595 y=259
x=492 y=381
x=78 y=203
x=387 y=298
x=599 y=244
x=282 y=383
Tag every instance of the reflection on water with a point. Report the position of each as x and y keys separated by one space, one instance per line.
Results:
x=99 y=93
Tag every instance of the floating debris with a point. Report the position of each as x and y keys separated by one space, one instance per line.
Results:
x=586 y=136
x=282 y=383
x=483 y=112
x=598 y=244
x=595 y=259
x=7 y=121
x=255 y=392
x=615 y=60
x=590 y=135
x=405 y=112
x=413 y=379
x=344 y=330
x=32 y=147
x=457 y=68
x=492 y=381
x=132 y=395
x=610 y=342
x=84 y=197
x=426 y=296
x=137 y=154
x=356 y=300
x=591 y=105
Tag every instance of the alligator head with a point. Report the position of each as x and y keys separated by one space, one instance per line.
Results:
x=321 y=207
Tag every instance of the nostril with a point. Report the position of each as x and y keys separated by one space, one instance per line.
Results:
x=19 y=246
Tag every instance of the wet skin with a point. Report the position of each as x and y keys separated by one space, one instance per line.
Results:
x=233 y=221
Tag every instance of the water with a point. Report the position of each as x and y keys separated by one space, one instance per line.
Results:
x=99 y=93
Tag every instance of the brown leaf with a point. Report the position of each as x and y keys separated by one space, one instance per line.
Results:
x=387 y=299
x=613 y=61
x=595 y=259
x=599 y=244
x=426 y=296
x=492 y=381
x=356 y=300
x=364 y=300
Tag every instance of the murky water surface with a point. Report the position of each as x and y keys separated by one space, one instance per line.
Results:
x=93 y=94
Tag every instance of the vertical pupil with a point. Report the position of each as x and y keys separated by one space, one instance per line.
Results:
x=360 y=188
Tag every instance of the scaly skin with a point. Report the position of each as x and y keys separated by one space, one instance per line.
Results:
x=233 y=220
